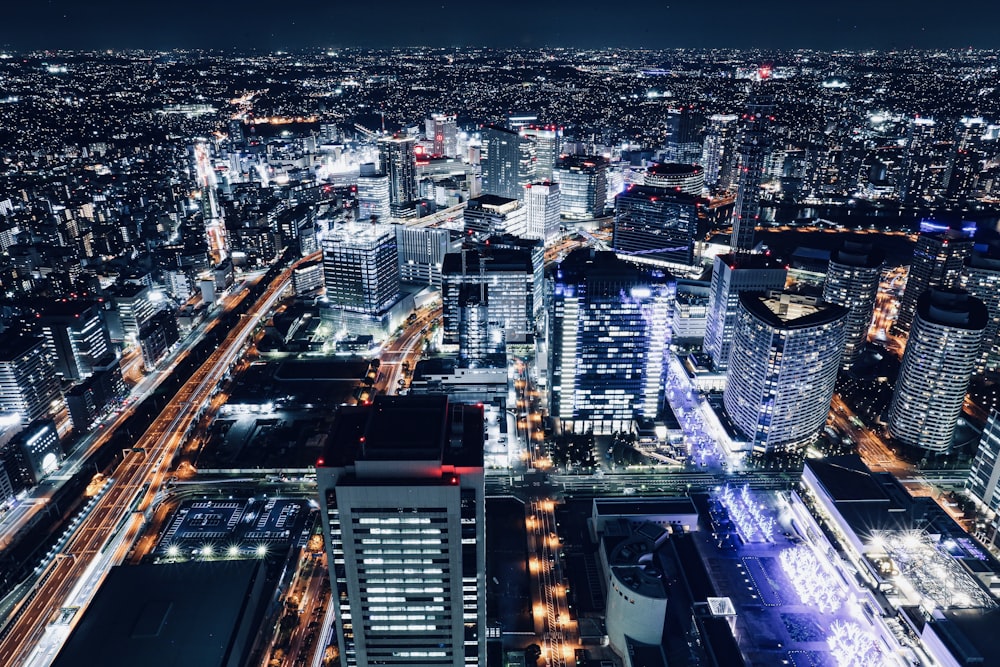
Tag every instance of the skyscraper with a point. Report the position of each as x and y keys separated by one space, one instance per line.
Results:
x=754 y=146
x=76 y=336
x=938 y=261
x=685 y=128
x=491 y=214
x=29 y=386
x=718 y=150
x=783 y=368
x=731 y=274
x=398 y=161
x=654 y=224
x=941 y=353
x=685 y=178
x=402 y=496
x=543 y=203
x=982 y=280
x=582 y=186
x=373 y=195
x=610 y=337
x=360 y=268
x=852 y=280
x=548 y=146
x=924 y=163
x=984 y=475
x=508 y=162
x=442 y=131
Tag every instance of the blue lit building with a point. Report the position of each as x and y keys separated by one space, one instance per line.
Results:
x=653 y=224
x=610 y=337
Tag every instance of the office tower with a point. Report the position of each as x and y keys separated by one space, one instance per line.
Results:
x=490 y=214
x=582 y=186
x=610 y=338
x=783 y=368
x=29 y=386
x=373 y=195
x=402 y=493
x=307 y=278
x=984 y=475
x=754 y=148
x=655 y=225
x=685 y=128
x=852 y=280
x=96 y=396
x=398 y=161
x=519 y=120
x=421 y=251
x=507 y=161
x=732 y=274
x=922 y=162
x=686 y=178
x=442 y=131
x=360 y=268
x=512 y=270
x=982 y=280
x=134 y=307
x=938 y=261
x=940 y=356
x=75 y=336
x=32 y=454
x=479 y=339
x=548 y=146
x=157 y=337
x=967 y=159
x=542 y=203
x=718 y=150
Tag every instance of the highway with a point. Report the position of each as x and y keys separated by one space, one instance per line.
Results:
x=134 y=483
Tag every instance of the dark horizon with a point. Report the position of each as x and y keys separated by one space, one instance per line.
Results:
x=254 y=25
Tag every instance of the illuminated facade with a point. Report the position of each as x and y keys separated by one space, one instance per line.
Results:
x=543 y=203
x=508 y=162
x=398 y=161
x=731 y=274
x=982 y=280
x=373 y=195
x=783 y=368
x=984 y=475
x=29 y=386
x=938 y=261
x=940 y=356
x=76 y=337
x=442 y=131
x=685 y=178
x=583 y=186
x=548 y=145
x=718 y=150
x=753 y=150
x=610 y=337
x=656 y=225
x=852 y=280
x=360 y=268
x=402 y=497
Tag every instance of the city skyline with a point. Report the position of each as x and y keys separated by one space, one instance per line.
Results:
x=115 y=24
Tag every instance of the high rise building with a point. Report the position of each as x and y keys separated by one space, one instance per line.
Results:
x=685 y=128
x=655 y=225
x=360 y=268
x=402 y=494
x=984 y=475
x=938 y=261
x=29 y=386
x=967 y=159
x=442 y=131
x=718 y=153
x=508 y=162
x=76 y=337
x=940 y=356
x=610 y=338
x=582 y=186
x=512 y=270
x=479 y=339
x=421 y=252
x=134 y=307
x=982 y=280
x=398 y=161
x=548 y=146
x=753 y=150
x=490 y=214
x=32 y=454
x=852 y=280
x=925 y=165
x=731 y=274
x=543 y=203
x=675 y=177
x=373 y=195
x=783 y=368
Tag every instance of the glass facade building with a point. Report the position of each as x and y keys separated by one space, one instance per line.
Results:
x=653 y=224
x=360 y=268
x=583 y=186
x=610 y=337
x=783 y=368
x=940 y=356
x=938 y=261
x=852 y=280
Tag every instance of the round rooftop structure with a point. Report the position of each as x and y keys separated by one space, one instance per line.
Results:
x=687 y=178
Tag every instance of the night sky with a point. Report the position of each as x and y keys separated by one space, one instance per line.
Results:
x=252 y=24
